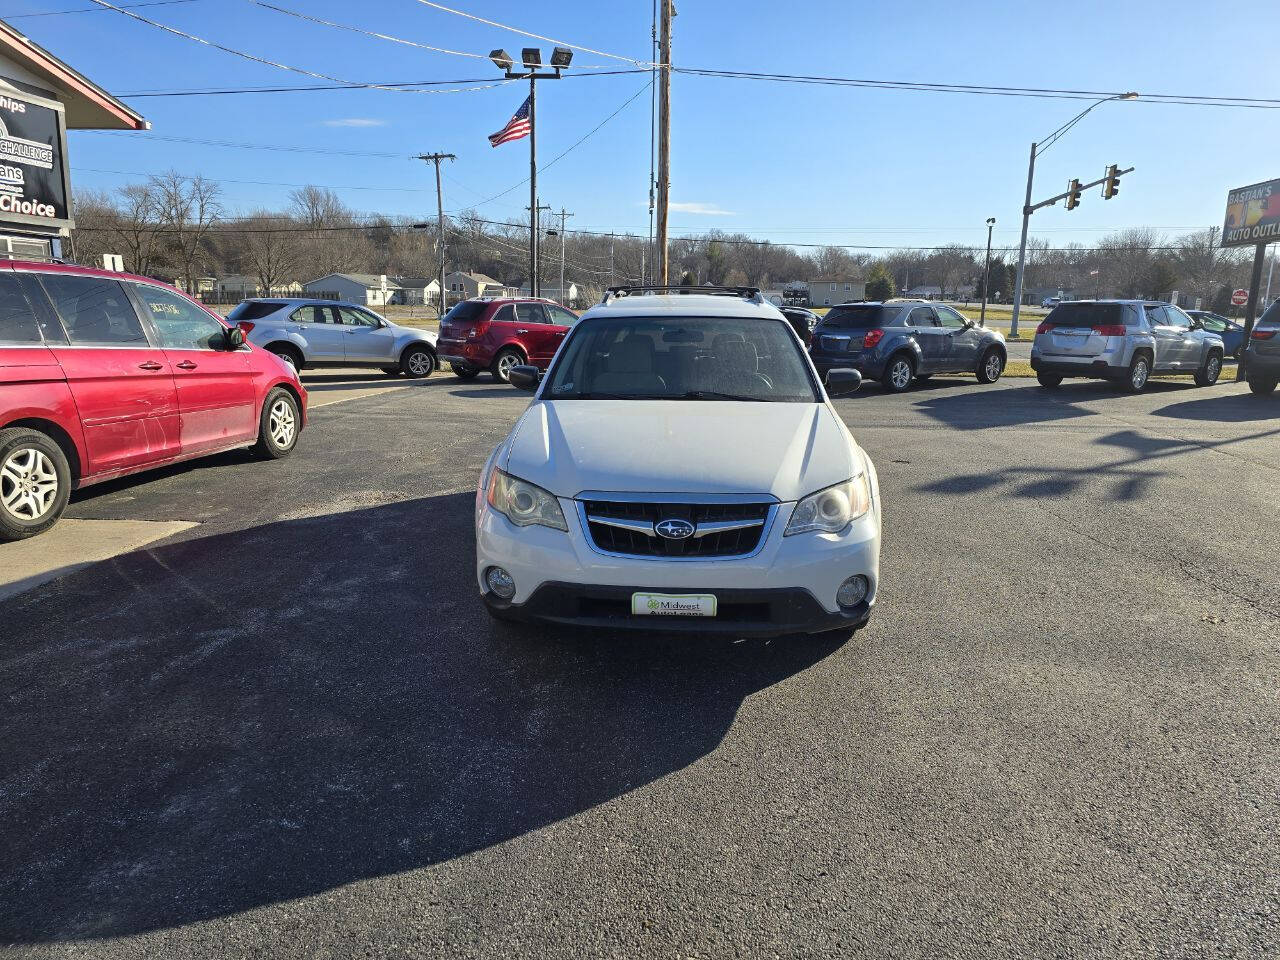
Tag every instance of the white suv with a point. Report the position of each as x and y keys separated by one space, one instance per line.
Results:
x=681 y=459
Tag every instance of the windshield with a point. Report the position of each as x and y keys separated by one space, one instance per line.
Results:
x=682 y=358
x=859 y=317
x=253 y=310
x=464 y=311
x=1089 y=315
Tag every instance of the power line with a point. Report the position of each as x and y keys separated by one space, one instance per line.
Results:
x=269 y=183
x=60 y=13
x=978 y=89
x=535 y=36
x=282 y=66
x=313 y=87
x=250 y=146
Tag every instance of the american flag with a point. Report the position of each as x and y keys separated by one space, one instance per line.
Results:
x=517 y=127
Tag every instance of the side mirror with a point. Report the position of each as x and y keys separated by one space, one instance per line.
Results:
x=525 y=377
x=843 y=381
x=234 y=338
x=969 y=324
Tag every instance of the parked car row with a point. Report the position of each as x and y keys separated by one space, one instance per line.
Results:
x=106 y=374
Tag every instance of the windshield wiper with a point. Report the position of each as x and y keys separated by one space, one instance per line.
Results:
x=716 y=395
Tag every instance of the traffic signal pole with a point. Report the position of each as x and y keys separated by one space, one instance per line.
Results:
x=1111 y=182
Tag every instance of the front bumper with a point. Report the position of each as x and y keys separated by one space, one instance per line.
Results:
x=755 y=613
x=788 y=586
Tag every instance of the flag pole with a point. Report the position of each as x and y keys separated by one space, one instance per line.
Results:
x=533 y=186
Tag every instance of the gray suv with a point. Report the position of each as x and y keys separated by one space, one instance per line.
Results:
x=1262 y=353
x=1125 y=341
x=318 y=333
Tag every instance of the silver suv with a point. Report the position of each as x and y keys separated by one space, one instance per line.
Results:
x=1125 y=341
x=319 y=333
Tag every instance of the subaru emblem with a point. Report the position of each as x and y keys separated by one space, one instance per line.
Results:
x=674 y=529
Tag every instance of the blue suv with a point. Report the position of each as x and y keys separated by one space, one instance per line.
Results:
x=901 y=341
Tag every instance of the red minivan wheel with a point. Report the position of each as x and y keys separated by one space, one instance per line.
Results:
x=35 y=483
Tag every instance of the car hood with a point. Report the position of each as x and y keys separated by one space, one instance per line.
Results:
x=787 y=450
x=428 y=335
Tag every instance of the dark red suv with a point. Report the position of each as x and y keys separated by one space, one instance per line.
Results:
x=497 y=334
x=107 y=374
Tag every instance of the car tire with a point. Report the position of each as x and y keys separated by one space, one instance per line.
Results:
x=990 y=366
x=1210 y=370
x=278 y=425
x=463 y=372
x=898 y=373
x=503 y=362
x=391 y=371
x=1261 y=386
x=290 y=356
x=35 y=483
x=418 y=362
x=1049 y=380
x=1139 y=375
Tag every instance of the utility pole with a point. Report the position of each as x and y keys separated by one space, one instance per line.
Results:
x=436 y=158
x=535 y=231
x=986 y=274
x=611 y=277
x=563 y=215
x=667 y=11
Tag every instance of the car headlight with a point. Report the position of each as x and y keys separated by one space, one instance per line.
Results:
x=832 y=509
x=524 y=504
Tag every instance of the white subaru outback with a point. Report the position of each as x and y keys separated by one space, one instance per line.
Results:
x=681 y=460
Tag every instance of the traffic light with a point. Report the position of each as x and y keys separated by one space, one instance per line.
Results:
x=1112 y=184
x=1073 y=194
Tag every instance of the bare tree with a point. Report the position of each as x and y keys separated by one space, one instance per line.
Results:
x=267 y=252
x=138 y=228
x=1128 y=255
x=1201 y=263
x=189 y=207
x=950 y=265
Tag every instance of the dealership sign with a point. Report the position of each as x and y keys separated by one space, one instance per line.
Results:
x=33 y=174
x=1253 y=215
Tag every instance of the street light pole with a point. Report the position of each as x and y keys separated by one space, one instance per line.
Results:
x=1036 y=150
x=986 y=274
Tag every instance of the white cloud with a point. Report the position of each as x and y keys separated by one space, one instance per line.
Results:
x=706 y=209
x=355 y=122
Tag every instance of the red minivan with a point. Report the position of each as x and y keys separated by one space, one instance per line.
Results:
x=106 y=374
x=495 y=334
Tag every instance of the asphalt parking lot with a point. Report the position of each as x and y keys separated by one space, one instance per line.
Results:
x=288 y=729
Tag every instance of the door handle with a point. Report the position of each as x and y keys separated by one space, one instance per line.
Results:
x=185 y=365
x=518 y=330
x=151 y=365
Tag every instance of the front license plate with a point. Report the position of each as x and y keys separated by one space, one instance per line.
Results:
x=673 y=605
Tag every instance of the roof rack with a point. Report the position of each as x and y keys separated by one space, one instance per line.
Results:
x=747 y=293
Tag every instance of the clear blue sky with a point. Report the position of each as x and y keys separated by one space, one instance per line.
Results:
x=786 y=162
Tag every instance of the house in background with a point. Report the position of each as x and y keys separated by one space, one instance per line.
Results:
x=235 y=287
x=568 y=297
x=417 y=291
x=824 y=291
x=363 y=288
x=465 y=286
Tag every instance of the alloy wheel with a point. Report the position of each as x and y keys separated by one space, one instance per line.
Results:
x=28 y=483
x=1213 y=368
x=419 y=364
x=900 y=374
x=283 y=424
x=505 y=363
x=1139 y=376
x=994 y=366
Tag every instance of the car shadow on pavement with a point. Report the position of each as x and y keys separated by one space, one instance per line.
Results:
x=233 y=721
x=1232 y=408
x=1006 y=406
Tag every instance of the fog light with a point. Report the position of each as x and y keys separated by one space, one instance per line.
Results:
x=501 y=583
x=853 y=591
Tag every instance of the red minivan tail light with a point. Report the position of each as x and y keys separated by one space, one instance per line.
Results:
x=1045 y=327
x=872 y=338
x=1109 y=329
x=1260 y=334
